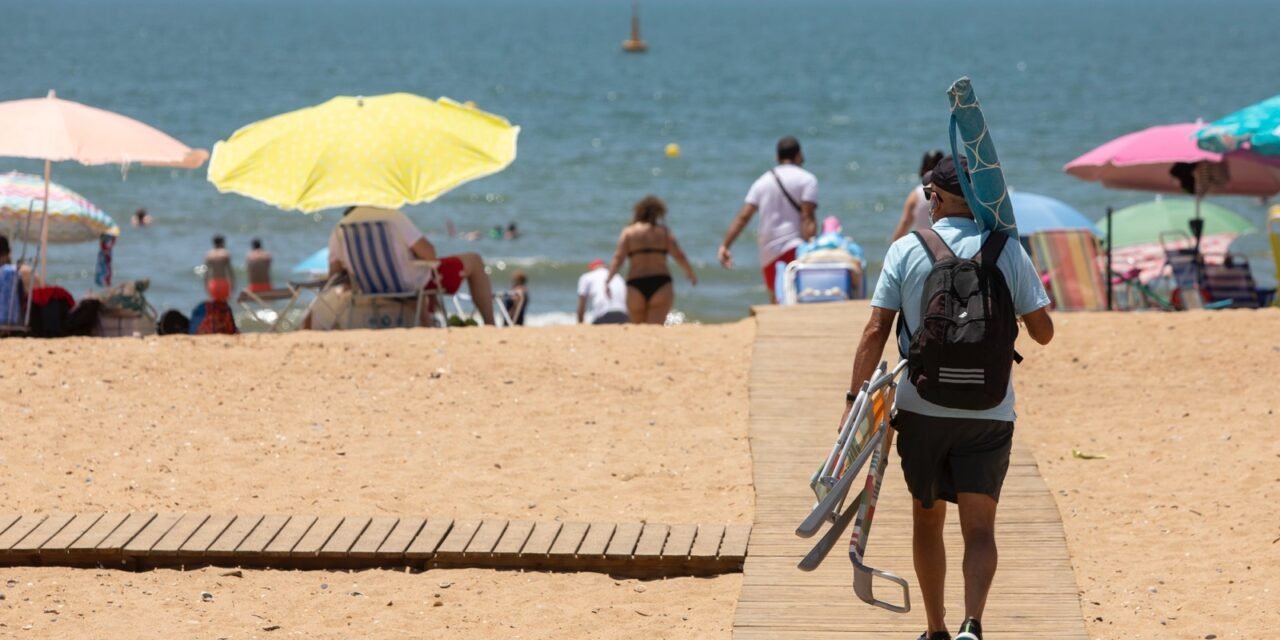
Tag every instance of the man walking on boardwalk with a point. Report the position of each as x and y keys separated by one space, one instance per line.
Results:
x=955 y=422
x=787 y=198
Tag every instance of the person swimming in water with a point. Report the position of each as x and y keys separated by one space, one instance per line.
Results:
x=647 y=242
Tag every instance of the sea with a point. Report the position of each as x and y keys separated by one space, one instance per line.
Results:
x=861 y=83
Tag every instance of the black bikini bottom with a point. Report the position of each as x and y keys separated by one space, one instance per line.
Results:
x=649 y=285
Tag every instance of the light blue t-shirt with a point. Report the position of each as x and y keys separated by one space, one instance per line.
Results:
x=901 y=286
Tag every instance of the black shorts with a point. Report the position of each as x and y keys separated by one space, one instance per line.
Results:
x=945 y=456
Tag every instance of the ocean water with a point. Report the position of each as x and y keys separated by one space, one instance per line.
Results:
x=861 y=82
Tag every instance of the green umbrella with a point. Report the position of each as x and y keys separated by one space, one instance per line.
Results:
x=1143 y=223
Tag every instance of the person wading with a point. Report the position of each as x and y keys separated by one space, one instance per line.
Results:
x=955 y=407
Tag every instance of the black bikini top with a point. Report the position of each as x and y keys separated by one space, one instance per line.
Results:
x=662 y=250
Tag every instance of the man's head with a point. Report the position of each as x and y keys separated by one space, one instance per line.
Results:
x=4 y=249
x=219 y=242
x=255 y=244
x=789 y=151
x=595 y=264
x=942 y=187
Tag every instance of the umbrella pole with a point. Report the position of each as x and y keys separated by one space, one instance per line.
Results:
x=1197 y=230
x=44 y=226
x=1110 y=306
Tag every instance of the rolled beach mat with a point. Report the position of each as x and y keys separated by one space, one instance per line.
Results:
x=985 y=189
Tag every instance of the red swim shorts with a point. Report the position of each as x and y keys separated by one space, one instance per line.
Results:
x=771 y=272
x=451 y=276
x=219 y=289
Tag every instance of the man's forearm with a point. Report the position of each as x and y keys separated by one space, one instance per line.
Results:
x=868 y=355
x=735 y=229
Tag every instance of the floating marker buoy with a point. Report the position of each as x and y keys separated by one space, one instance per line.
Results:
x=673 y=150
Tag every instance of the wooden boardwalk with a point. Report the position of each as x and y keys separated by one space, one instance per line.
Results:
x=799 y=373
x=138 y=541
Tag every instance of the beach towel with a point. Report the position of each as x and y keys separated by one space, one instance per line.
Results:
x=218 y=318
x=1069 y=261
x=10 y=296
x=984 y=189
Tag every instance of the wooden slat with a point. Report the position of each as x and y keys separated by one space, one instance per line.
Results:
x=344 y=537
x=540 y=541
x=7 y=520
x=401 y=537
x=374 y=535
x=19 y=530
x=624 y=540
x=32 y=542
x=71 y=532
x=486 y=537
x=652 y=539
x=597 y=539
x=94 y=536
x=570 y=538
x=235 y=534
x=268 y=531
x=287 y=538
x=122 y=535
x=428 y=540
x=707 y=544
x=679 y=541
x=151 y=534
x=205 y=536
x=459 y=537
x=178 y=535
x=316 y=536
x=513 y=538
x=734 y=544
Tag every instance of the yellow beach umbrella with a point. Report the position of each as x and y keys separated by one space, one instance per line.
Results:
x=382 y=151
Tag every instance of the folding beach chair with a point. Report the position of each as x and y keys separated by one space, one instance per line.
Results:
x=1069 y=259
x=375 y=276
x=866 y=436
x=265 y=306
x=465 y=309
x=1231 y=284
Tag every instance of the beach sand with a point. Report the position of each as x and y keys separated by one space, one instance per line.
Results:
x=594 y=424
x=1173 y=534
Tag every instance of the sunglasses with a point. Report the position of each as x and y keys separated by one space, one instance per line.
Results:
x=928 y=193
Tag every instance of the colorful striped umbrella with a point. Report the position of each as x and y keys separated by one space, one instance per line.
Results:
x=72 y=218
x=1255 y=127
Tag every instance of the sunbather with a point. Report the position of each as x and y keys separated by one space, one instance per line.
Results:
x=411 y=245
x=219 y=276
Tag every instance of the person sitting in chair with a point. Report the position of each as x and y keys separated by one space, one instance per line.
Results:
x=410 y=245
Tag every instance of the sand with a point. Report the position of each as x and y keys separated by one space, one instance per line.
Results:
x=596 y=424
x=1175 y=533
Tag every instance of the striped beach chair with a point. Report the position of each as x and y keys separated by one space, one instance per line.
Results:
x=1231 y=284
x=1068 y=260
x=375 y=276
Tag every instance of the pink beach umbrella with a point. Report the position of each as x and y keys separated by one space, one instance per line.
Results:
x=1145 y=161
x=56 y=130
x=1167 y=159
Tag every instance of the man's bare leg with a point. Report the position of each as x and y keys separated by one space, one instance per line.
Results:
x=978 y=525
x=478 y=283
x=930 y=555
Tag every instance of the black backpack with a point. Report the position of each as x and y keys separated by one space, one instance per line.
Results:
x=962 y=354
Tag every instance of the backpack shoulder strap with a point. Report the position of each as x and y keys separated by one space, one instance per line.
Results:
x=992 y=248
x=933 y=245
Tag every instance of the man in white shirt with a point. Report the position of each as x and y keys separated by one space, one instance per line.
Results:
x=605 y=307
x=787 y=198
x=408 y=245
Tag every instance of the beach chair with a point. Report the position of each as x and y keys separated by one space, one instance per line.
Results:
x=265 y=306
x=376 y=278
x=1069 y=260
x=1231 y=284
x=866 y=436
x=465 y=309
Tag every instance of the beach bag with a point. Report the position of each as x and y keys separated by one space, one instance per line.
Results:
x=961 y=355
x=172 y=322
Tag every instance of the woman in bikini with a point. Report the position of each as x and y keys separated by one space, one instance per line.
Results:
x=646 y=242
